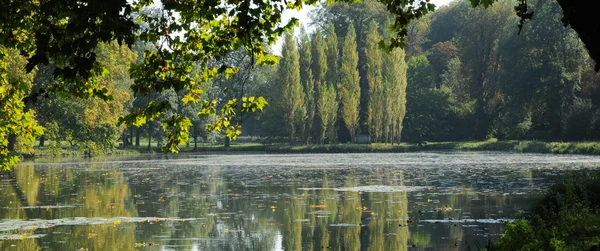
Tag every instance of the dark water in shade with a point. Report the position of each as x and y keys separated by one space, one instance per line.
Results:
x=408 y=201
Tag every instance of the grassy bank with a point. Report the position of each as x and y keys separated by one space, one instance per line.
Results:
x=48 y=152
x=589 y=148
x=45 y=152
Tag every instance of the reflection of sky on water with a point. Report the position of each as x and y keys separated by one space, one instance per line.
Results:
x=405 y=201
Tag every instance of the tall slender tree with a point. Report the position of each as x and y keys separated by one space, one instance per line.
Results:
x=306 y=76
x=394 y=75
x=319 y=70
x=349 y=87
x=327 y=107
x=333 y=56
x=373 y=60
x=292 y=100
x=332 y=75
x=319 y=58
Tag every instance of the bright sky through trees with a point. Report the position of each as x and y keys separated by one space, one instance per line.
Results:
x=303 y=17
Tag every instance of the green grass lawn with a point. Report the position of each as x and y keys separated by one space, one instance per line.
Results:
x=590 y=148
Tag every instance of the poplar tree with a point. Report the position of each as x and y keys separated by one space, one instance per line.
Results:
x=327 y=108
x=292 y=96
x=388 y=112
x=319 y=58
x=332 y=55
x=332 y=76
x=394 y=75
x=349 y=87
x=319 y=70
x=306 y=77
x=373 y=56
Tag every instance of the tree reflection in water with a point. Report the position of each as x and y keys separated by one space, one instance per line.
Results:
x=189 y=206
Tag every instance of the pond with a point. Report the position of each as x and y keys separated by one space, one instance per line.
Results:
x=376 y=201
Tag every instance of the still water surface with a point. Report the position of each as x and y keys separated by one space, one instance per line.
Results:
x=406 y=201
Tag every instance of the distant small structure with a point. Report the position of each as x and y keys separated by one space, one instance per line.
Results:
x=363 y=139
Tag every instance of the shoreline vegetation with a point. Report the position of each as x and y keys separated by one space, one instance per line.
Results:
x=586 y=148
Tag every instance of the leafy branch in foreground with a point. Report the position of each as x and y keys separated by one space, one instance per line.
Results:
x=228 y=113
x=182 y=33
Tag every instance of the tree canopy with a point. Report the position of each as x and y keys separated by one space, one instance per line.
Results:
x=181 y=35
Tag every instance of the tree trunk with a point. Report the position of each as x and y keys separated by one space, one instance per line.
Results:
x=149 y=137
x=42 y=141
x=482 y=122
x=125 y=139
x=392 y=127
x=227 y=141
x=158 y=143
x=131 y=136
x=188 y=141
x=399 y=131
x=195 y=142
x=137 y=136
x=480 y=112
x=12 y=139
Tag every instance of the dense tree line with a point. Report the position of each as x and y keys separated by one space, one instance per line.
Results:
x=93 y=123
x=472 y=76
x=314 y=93
x=67 y=33
x=467 y=74
x=319 y=92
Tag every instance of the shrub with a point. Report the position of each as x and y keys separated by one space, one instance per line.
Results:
x=565 y=219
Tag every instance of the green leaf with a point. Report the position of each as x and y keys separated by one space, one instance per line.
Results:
x=267 y=59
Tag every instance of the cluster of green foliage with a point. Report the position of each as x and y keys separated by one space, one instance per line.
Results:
x=94 y=123
x=182 y=36
x=472 y=76
x=91 y=122
x=380 y=89
x=349 y=89
x=16 y=121
x=184 y=46
x=567 y=218
x=320 y=81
